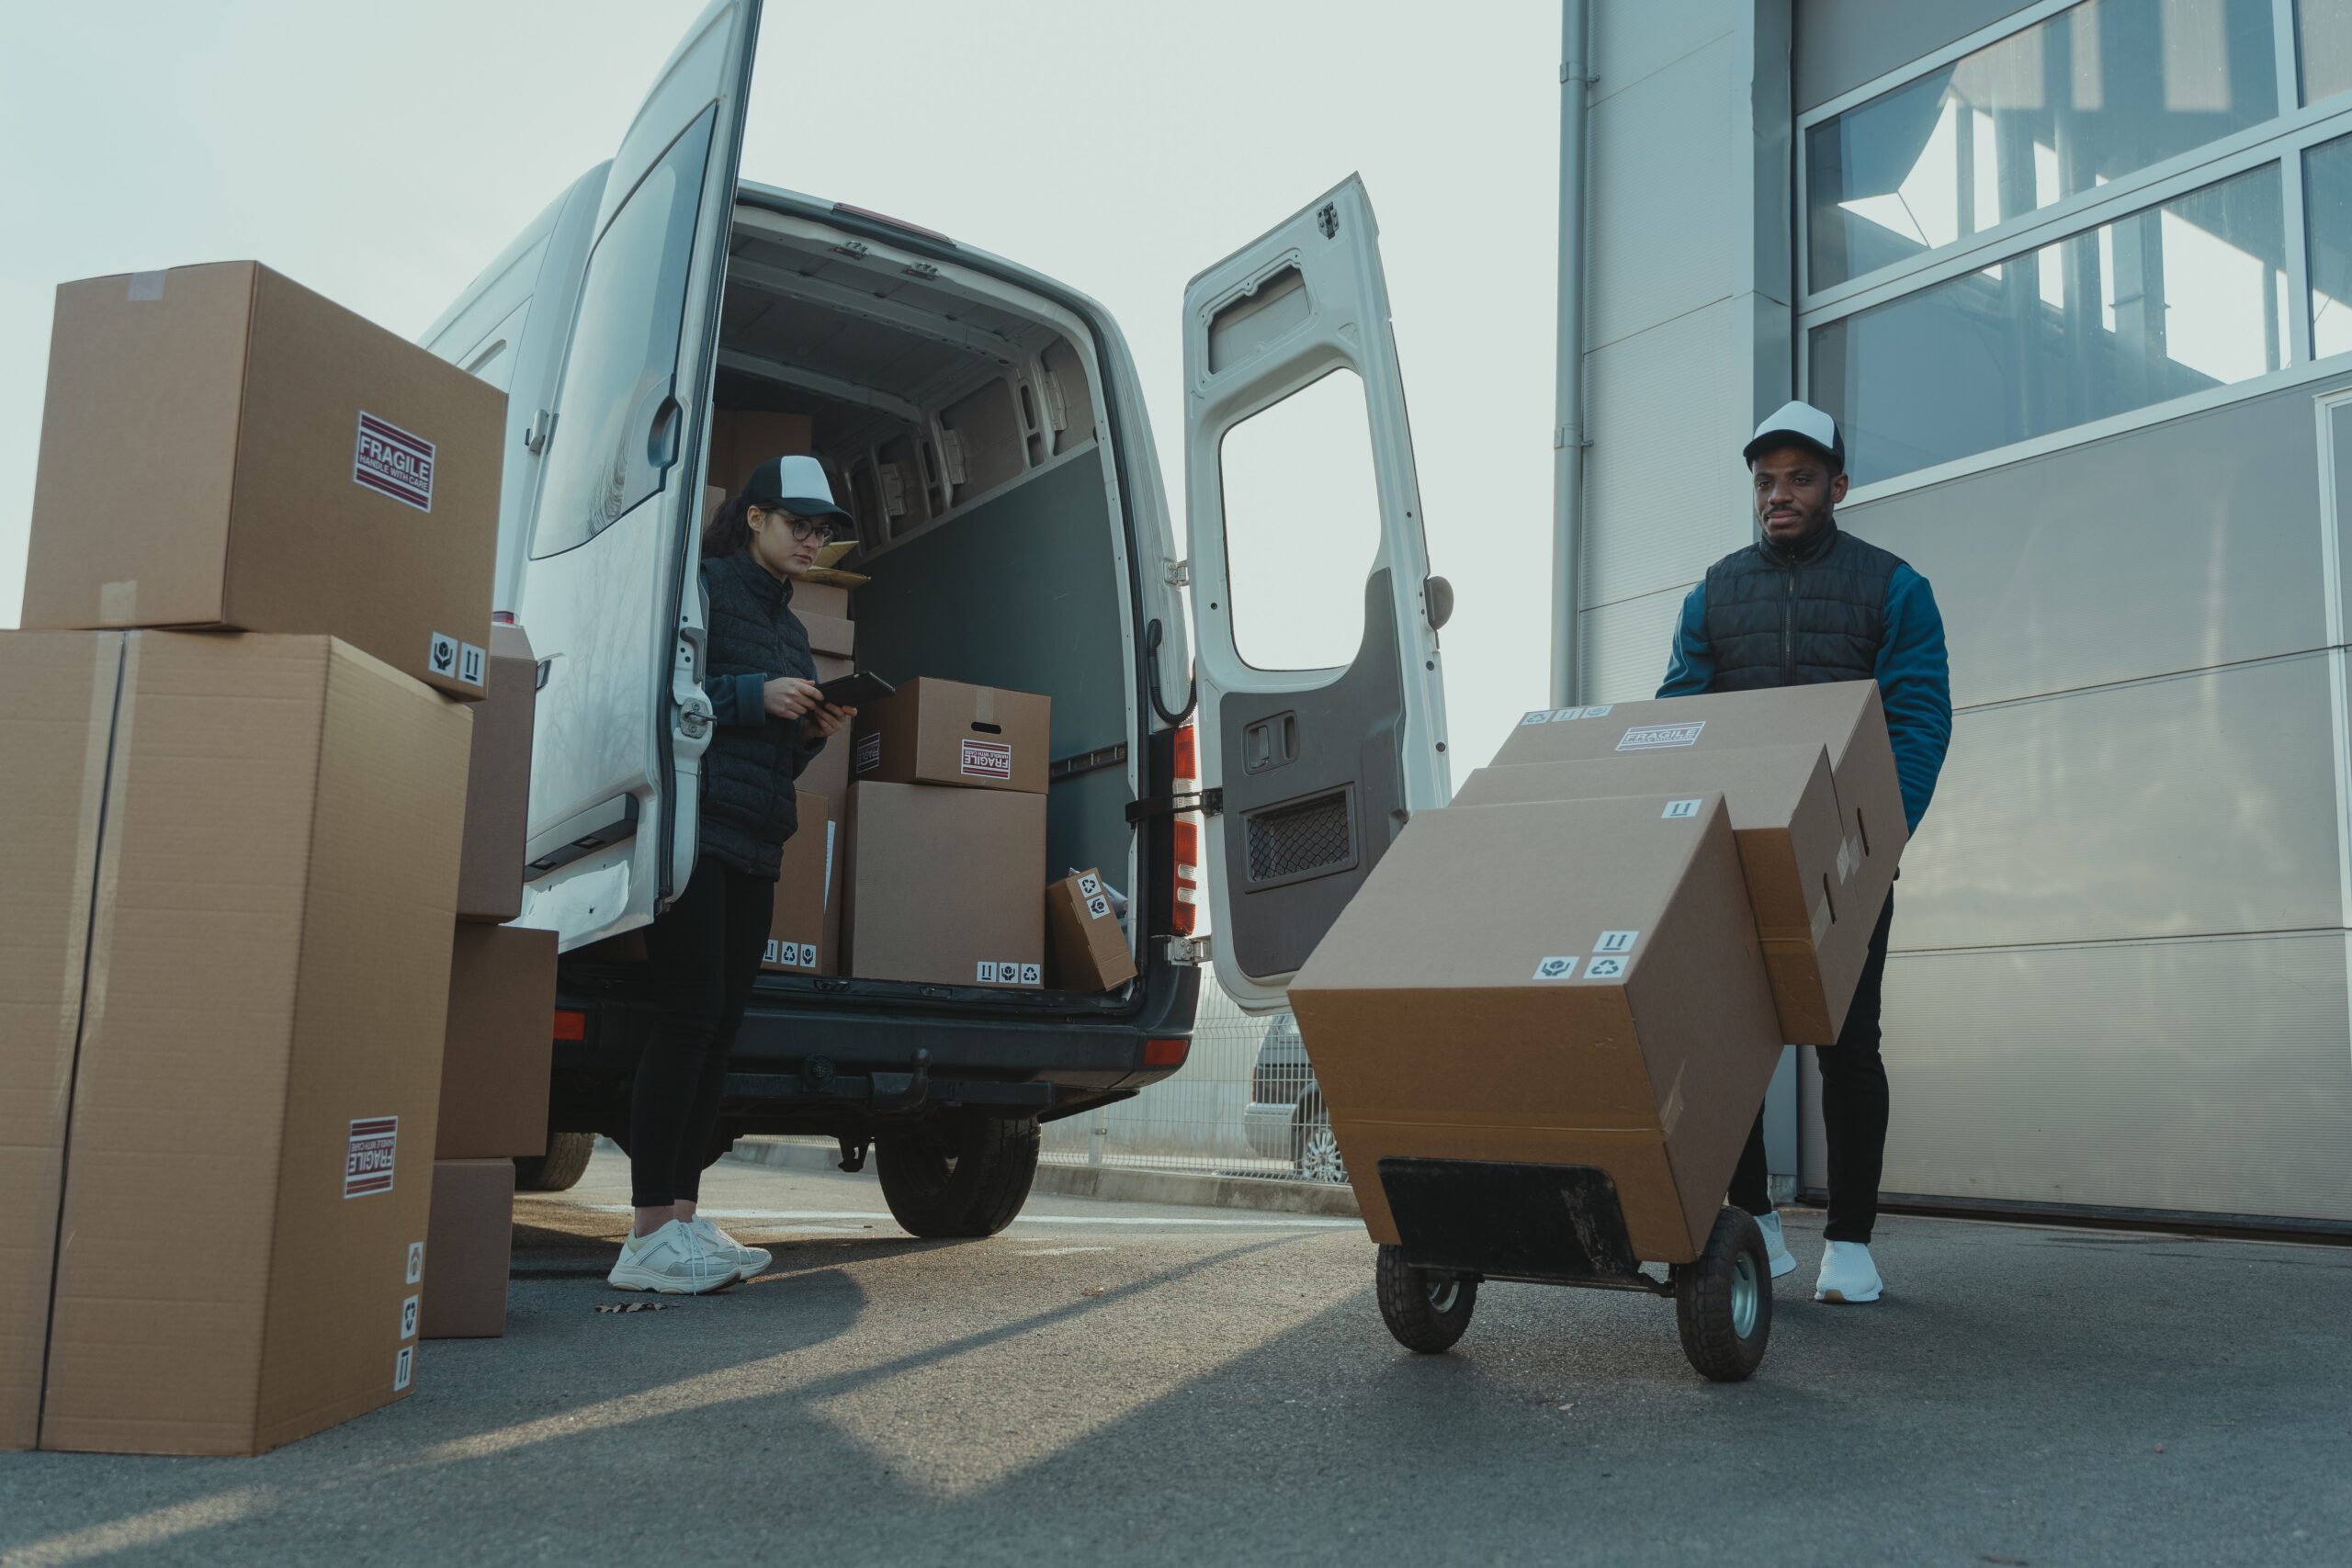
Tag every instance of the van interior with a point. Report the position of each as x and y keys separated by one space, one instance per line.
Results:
x=962 y=422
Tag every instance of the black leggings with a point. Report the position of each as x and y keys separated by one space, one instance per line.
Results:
x=706 y=952
x=1853 y=1113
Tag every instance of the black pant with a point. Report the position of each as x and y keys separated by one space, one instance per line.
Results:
x=706 y=952
x=1853 y=1113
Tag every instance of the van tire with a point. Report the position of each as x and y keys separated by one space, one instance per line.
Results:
x=963 y=1176
x=559 y=1168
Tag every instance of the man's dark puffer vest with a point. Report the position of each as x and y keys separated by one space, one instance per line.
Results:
x=1798 y=617
x=748 y=807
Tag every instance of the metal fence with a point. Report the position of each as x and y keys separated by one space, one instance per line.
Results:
x=1243 y=1104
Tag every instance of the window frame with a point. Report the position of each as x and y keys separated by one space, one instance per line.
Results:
x=2281 y=141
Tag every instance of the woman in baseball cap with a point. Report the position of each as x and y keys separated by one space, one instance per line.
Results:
x=704 y=949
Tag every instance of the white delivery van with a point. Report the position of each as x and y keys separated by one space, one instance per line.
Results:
x=1011 y=518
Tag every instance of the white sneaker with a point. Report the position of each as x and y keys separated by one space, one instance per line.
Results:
x=1847 y=1274
x=671 y=1260
x=746 y=1261
x=1776 y=1244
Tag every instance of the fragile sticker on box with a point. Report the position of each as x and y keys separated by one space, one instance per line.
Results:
x=393 y=462
x=368 y=1163
x=986 y=759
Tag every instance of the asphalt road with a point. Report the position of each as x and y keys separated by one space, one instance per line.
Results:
x=1119 y=1383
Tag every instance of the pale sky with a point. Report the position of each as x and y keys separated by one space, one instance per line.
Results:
x=382 y=154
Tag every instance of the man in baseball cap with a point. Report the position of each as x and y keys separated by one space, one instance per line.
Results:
x=1809 y=603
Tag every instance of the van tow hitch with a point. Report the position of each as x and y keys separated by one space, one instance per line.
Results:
x=916 y=1089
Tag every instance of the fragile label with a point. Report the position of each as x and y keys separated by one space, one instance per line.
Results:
x=1605 y=969
x=793 y=954
x=441 y=656
x=390 y=461
x=985 y=972
x=408 y=1317
x=403 y=1365
x=1677 y=809
x=1658 y=736
x=987 y=759
x=1616 y=942
x=869 y=757
x=1098 y=907
x=368 y=1163
x=1563 y=716
x=1556 y=969
x=415 y=1261
x=473 y=663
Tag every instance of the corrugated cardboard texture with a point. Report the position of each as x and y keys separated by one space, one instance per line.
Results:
x=1090 y=950
x=269 y=964
x=741 y=441
x=942 y=882
x=1431 y=1033
x=799 y=923
x=499 y=1043
x=57 y=703
x=819 y=599
x=230 y=407
x=469 y=1249
x=834 y=634
x=498 y=783
x=1784 y=817
x=945 y=732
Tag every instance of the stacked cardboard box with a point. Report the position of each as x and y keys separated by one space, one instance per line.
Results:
x=797 y=944
x=224 y=954
x=1089 y=946
x=1615 y=930
x=947 y=837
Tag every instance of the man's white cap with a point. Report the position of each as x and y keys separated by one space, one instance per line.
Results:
x=797 y=484
x=1798 y=424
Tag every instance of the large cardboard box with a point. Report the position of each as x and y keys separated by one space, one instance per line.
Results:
x=498 y=783
x=499 y=1043
x=945 y=732
x=1845 y=718
x=237 y=980
x=222 y=447
x=741 y=440
x=942 y=886
x=1784 y=817
x=829 y=955
x=1560 y=983
x=795 y=932
x=1090 y=948
x=828 y=772
x=470 y=1245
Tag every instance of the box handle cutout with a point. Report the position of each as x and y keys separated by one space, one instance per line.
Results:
x=1862 y=831
x=988 y=728
x=1829 y=900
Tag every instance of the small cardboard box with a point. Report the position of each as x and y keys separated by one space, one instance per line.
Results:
x=945 y=732
x=499 y=1045
x=498 y=783
x=796 y=932
x=819 y=599
x=251 y=934
x=1560 y=983
x=834 y=634
x=1090 y=950
x=470 y=1246
x=713 y=498
x=942 y=886
x=1784 y=817
x=740 y=440
x=222 y=447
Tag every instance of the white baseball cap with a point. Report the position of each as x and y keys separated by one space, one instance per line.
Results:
x=797 y=484
x=1798 y=424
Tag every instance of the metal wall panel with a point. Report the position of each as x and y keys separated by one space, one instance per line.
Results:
x=1842 y=44
x=2204 y=1076
x=1661 y=183
x=1633 y=40
x=1665 y=493
x=1626 y=646
x=2200 y=804
x=2181 y=546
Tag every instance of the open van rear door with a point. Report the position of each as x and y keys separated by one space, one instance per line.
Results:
x=622 y=724
x=1322 y=717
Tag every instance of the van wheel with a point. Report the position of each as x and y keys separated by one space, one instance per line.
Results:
x=1426 y=1311
x=961 y=1175
x=560 y=1168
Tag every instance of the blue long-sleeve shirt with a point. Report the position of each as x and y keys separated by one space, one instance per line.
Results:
x=1914 y=680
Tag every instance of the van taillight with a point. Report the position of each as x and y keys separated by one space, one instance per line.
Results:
x=1166 y=1053
x=570 y=1026
x=1184 y=914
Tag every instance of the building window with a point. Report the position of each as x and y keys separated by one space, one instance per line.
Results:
x=2093 y=93
x=2176 y=299
x=2324 y=47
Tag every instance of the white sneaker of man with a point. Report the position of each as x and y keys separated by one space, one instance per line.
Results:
x=1776 y=1244
x=747 y=1261
x=671 y=1260
x=1847 y=1275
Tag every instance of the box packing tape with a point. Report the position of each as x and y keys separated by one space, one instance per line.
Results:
x=984 y=705
x=146 y=286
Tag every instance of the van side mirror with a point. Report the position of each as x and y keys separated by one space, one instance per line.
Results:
x=1437 y=598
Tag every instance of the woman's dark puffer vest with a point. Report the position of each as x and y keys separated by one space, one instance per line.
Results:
x=748 y=807
x=1799 y=616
